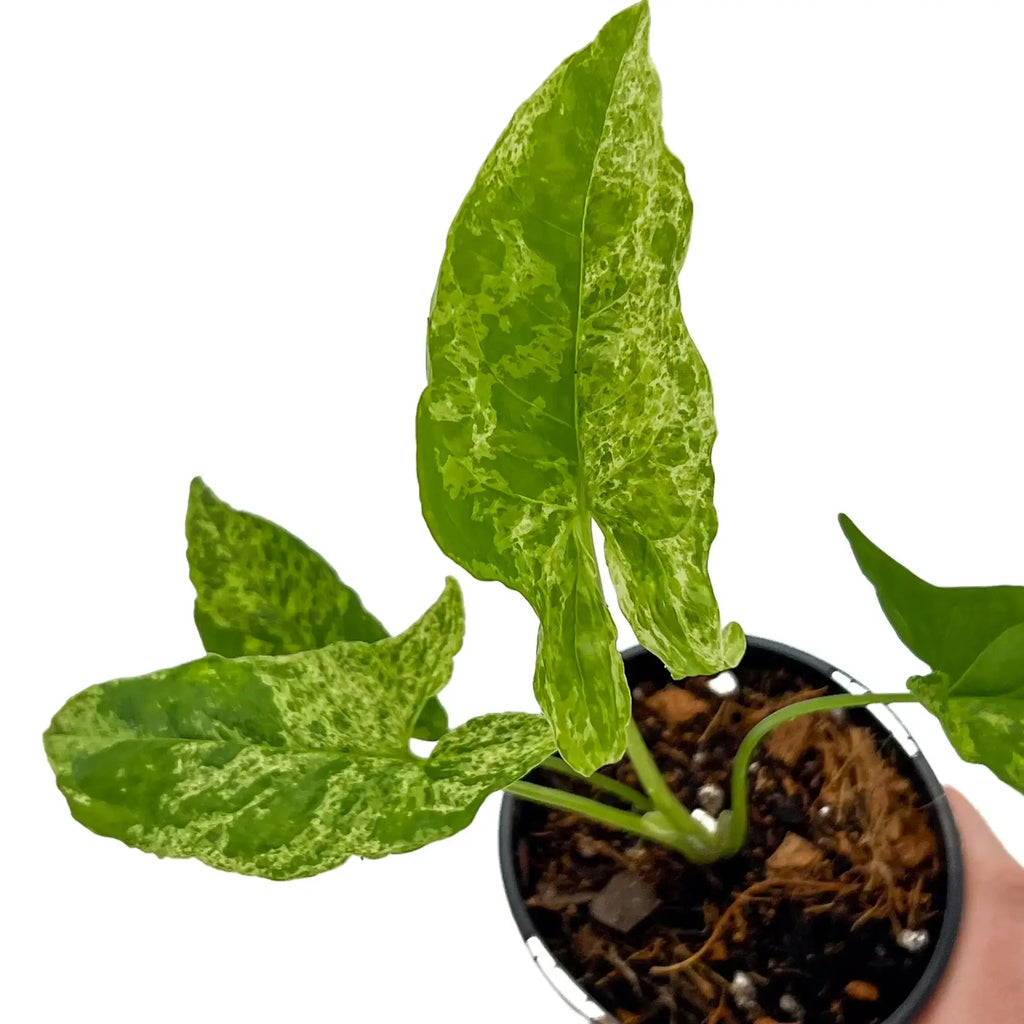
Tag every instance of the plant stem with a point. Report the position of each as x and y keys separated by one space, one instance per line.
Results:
x=598 y=781
x=664 y=800
x=740 y=770
x=646 y=826
x=669 y=823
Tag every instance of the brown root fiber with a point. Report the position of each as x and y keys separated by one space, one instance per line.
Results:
x=840 y=857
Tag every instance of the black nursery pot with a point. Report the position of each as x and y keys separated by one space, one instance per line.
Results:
x=767 y=655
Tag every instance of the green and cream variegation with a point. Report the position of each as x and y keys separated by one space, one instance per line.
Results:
x=973 y=640
x=564 y=389
x=982 y=712
x=285 y=766
x=261 y=590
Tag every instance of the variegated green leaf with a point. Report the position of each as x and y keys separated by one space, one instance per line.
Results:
x=261 y=590
x=946 y=627
x=285 y=766
x=564 y=389
x=982 y=712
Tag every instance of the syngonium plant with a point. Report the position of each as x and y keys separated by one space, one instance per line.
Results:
x=563 y=390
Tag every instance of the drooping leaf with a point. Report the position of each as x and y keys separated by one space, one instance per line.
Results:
x=285 y=766
x=261 y=590
x=563 y=389
x=946 y=627
x=982 y=712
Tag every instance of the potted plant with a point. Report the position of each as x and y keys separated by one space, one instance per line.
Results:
x=563 y=391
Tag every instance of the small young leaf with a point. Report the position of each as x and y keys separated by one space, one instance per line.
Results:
x=261 y=590
x=946 y=627
x=982 y=712
x=564 y=388
x=285 y=766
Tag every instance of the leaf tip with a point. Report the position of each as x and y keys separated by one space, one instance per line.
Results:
x=734 y=644
x=639 y=14
x=198 y=492
x=851 y=531
x=450 y=604
x=452 y=591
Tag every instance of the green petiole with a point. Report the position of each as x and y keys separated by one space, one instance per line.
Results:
x=651 y=826
x=737 y=825
x=612 y=787
x=664 y=800
x=666 y=820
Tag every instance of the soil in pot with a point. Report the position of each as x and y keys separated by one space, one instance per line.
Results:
x=805 y=925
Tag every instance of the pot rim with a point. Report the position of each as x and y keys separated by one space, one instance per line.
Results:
x=942 y=947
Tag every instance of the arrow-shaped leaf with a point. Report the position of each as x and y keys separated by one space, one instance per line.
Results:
x=285 y=766
x=261 y=590
x=973 y=639
x=564 y=389
x=946 y=627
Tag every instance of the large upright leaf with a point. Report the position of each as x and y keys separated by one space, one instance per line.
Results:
x=946 y=627
x=982 y=712
x=973 y=639
x=285 y=766
x=261 y=590
x=563 y=388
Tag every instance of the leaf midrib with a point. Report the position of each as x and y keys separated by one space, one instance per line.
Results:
x=582 y=498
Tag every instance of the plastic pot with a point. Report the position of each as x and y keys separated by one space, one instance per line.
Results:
x=641 y=665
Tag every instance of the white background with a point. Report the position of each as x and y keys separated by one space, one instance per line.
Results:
x=220 y=229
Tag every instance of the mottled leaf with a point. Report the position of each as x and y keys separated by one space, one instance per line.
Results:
x=946 y=627
x=982 y=712
x=564 y=389
x=261 y=590
x=285 y=766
